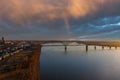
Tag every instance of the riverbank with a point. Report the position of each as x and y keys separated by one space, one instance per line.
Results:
x=21 y=66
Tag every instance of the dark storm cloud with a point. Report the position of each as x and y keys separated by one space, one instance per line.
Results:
x=40 y=18
x=99 y=27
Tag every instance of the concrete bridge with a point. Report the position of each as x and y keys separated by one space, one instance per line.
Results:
x=87 y=43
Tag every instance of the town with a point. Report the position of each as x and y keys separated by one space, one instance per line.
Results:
x=18 y=59
x=8 y=48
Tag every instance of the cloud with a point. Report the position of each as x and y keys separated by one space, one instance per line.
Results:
x=29 y=10
x=81 y=8
x=107 y=27
x=42 y=10
x=46 y=17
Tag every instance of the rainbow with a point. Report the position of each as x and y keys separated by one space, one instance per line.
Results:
x=67 y=23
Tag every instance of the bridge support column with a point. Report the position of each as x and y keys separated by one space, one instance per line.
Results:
x=103 y=47
x=115 y=47
x=95 y=47
x=86 y=48
x=65 y=48
x=109 y=47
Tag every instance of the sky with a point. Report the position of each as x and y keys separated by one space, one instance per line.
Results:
x=60 y=19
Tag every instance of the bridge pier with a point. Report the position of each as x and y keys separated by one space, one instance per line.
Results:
x=65 y=48
x=95 y=47
x=103 y=47
x=115 y=47
x=86 y=48
x=109 y=47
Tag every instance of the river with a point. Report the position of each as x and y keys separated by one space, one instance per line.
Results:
x=77 y=64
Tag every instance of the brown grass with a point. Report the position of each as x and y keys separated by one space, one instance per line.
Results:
x=22 y=66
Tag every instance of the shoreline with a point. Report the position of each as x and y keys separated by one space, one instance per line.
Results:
x=24 y=65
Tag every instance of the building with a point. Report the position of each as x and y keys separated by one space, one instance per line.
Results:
x=2 y=41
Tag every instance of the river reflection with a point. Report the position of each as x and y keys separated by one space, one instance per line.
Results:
x=76 y=64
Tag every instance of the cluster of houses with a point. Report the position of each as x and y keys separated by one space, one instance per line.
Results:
x=8 y=48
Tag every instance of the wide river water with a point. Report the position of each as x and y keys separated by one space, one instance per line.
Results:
x=77 y=64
